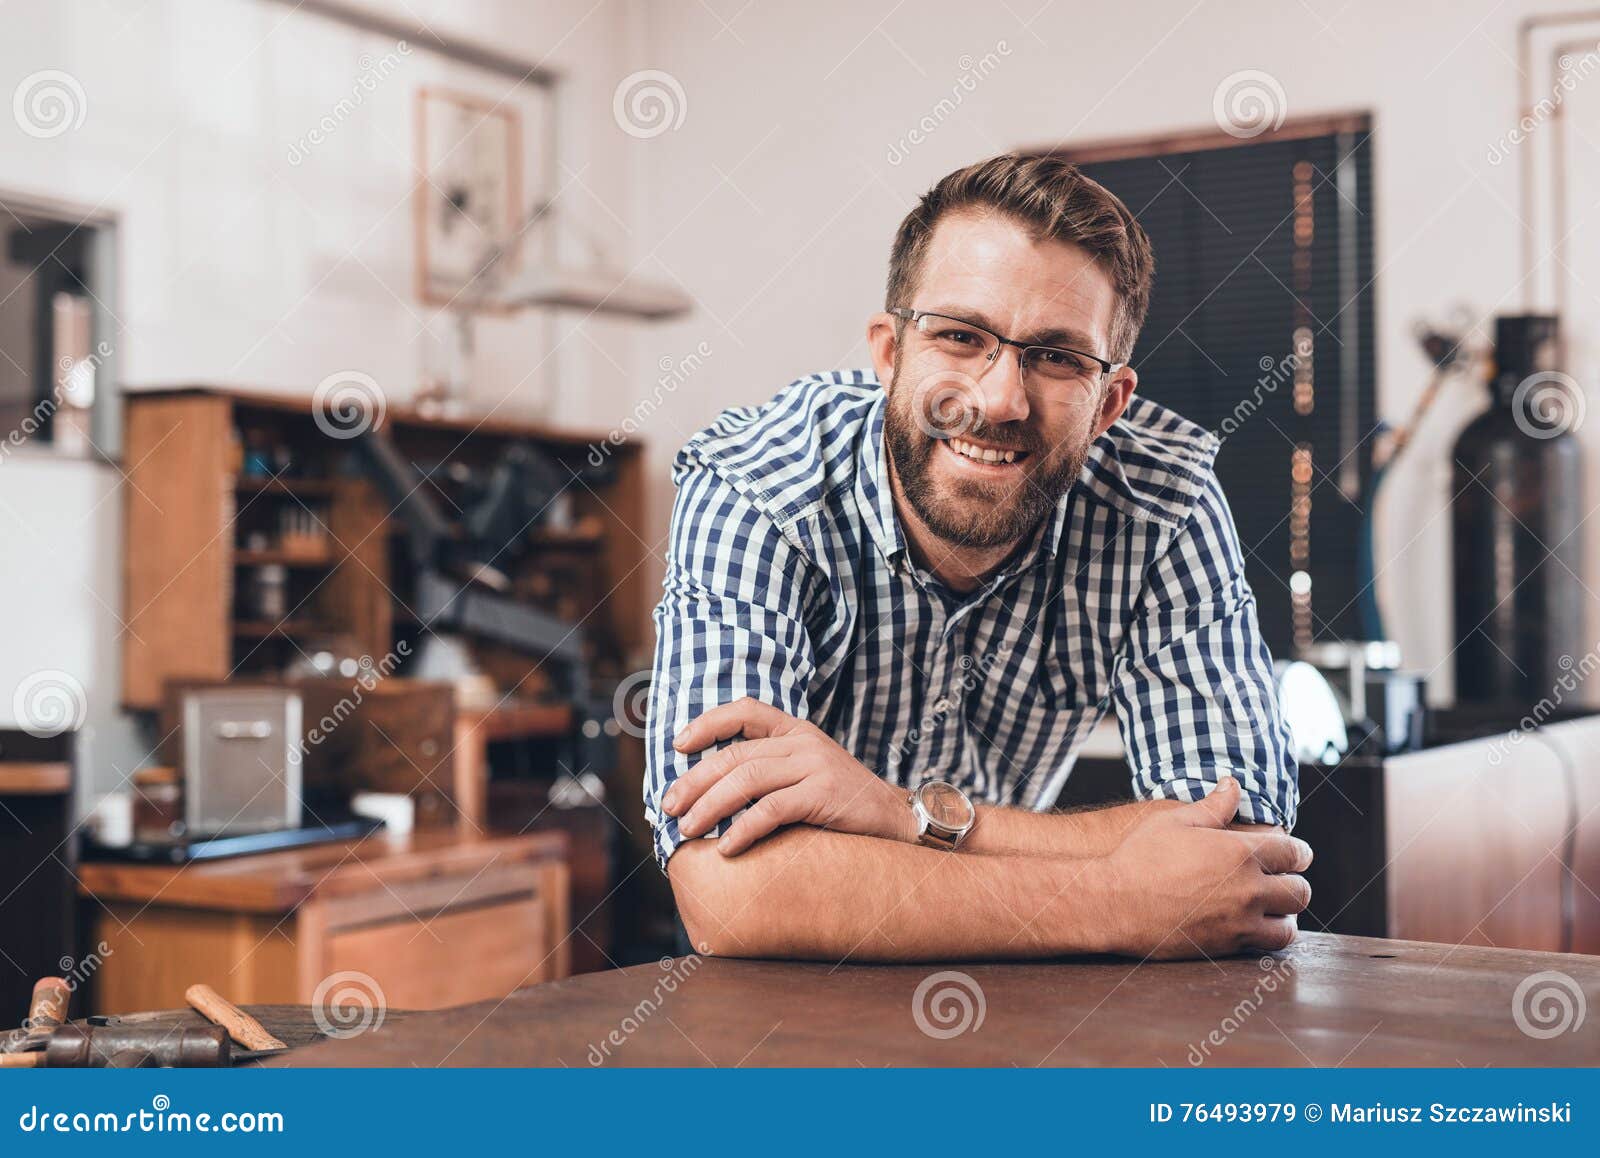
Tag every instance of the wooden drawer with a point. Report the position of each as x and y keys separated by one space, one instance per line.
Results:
x=455 y=957
x=435 y=919
x=458 y=934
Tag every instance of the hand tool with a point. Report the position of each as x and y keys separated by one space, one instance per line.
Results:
x=243 y=1028
x=46 y=1012
x=81 y=1047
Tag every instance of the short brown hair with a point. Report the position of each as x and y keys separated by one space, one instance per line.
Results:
x=1054 y=200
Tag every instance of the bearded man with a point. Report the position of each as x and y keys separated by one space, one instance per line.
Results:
x=897 y=602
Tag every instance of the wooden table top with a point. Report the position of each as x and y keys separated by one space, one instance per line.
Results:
x=1327 y=1001
x=275 y=882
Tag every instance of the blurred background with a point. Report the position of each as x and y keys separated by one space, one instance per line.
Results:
x=347 y=345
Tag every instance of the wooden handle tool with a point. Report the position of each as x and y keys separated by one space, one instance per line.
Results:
x=22 y=1061
x=49 y=1008
x=243 y=1028
x=46 y=1012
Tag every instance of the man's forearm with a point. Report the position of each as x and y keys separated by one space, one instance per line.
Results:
x=1090 y=832
x=809 y=893
x=1087 y=833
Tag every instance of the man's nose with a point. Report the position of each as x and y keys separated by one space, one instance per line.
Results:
x=1005 y=398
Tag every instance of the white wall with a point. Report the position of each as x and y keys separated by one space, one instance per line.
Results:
x=242 y=268
x=776 y=198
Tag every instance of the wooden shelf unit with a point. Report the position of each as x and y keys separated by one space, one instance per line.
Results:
x=188 y=509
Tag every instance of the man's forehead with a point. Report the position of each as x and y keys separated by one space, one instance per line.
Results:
x=991 y=264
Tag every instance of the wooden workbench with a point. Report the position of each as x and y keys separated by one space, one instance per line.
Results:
x=1328 y=1001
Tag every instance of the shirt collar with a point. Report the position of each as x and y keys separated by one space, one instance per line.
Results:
x=875 y=496
x=874 y=493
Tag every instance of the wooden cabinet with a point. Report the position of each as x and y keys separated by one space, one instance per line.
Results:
x=433 y=919
x=226 y=488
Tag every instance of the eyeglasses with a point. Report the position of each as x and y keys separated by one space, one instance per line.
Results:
x=1072 y=374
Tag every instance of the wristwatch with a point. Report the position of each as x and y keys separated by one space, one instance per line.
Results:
x=944 y=814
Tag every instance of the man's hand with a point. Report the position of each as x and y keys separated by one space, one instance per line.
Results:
x=786 y=771
x=1181 y=882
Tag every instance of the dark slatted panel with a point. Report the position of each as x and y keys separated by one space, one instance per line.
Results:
x=1223 y=225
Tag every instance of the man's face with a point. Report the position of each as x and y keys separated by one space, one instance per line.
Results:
x=982 y=453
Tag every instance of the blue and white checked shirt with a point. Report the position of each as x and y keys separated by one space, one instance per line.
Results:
x=789 y=580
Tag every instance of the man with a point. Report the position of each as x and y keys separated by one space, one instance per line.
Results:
x=893 y=613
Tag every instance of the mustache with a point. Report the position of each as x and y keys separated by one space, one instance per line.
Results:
x=945 y=406
x=1005 y=436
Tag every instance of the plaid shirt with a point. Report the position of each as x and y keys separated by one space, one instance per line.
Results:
x=789 y=580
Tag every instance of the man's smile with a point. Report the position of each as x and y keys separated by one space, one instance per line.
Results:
x=987 y=458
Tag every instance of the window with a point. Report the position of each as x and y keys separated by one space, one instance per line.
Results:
x=55 y=355
x=1261 y=330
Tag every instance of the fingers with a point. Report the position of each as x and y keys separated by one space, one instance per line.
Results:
x=689 y=787
x=1284 y=894
x=749 y=716
x=789 y=806
x=1218 y=808
x=748 y=784
x=1281 y=854
x=1273 y=934
x=1259 y=839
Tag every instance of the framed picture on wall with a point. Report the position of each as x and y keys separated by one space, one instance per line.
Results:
x=468 y=198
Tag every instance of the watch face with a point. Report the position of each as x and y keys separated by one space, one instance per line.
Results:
x=946 y=805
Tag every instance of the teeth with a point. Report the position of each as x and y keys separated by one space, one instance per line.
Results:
x=981 y=453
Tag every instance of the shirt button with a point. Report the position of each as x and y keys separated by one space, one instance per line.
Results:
x=942 y=705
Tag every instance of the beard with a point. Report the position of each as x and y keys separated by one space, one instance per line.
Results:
x=968 y=512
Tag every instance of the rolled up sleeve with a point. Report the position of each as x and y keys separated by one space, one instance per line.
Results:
x=1194 y=687
x=730 y=624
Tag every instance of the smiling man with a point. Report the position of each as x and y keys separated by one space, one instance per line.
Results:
x=897 y=603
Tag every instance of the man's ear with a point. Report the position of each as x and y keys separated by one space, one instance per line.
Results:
x=881 y=341
x=1119 y=392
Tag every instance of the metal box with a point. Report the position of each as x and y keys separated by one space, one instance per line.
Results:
x=241 y=759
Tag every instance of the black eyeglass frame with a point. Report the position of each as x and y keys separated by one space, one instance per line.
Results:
x=907 y=314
